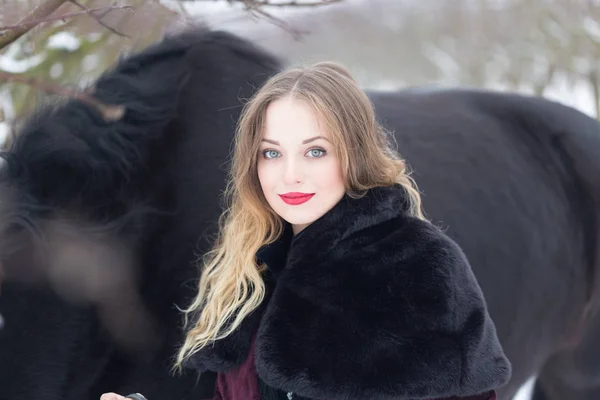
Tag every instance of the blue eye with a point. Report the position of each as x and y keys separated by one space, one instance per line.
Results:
x=270 y=154
x=316 y=153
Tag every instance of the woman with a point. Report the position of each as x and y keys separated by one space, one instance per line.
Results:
x=326 y=281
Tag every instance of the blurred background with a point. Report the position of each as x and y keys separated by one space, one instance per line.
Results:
x=549 y=48
x=545 y=47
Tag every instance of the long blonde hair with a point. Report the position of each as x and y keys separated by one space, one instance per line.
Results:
x=231 y=285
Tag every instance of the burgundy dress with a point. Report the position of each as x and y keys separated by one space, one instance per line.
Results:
x=241 y=383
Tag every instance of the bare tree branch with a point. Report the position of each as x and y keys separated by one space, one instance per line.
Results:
x=294 y=3
x=32 y=23
x=269 y=3
x=45 y=12
x=98 y=18
x=38 y=13
x=255 y=7
x=109 y=112
x=185 y=13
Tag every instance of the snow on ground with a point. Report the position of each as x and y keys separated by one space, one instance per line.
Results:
x=526 y=391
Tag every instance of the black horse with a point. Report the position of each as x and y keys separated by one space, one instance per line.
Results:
x=102 y=221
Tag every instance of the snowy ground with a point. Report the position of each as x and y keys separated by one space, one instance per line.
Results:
x=525 y=392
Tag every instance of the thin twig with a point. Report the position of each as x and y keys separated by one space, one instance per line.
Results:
x=104 y=14
x=39 y=13
x=185 y=12
x=98 y=19
x=187 y=18
x=109 y=112
x=295 y=3
x=22 y=25
x=268 y=3
x=254 y=7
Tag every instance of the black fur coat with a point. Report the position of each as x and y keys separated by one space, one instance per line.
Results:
x=368 y=303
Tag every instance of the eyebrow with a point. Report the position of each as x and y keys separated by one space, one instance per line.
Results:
x=312 y=139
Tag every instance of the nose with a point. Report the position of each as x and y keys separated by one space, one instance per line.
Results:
x=293 y=171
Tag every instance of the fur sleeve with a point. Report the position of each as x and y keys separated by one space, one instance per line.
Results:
x=392 y=311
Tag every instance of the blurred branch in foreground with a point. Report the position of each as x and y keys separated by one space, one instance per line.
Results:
x=41 y=14
x=28 y=24
x=108 y=111
x=25 y=25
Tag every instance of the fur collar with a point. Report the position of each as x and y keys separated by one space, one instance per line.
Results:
x=369 y=303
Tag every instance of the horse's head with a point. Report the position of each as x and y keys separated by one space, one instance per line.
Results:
x=75 y=197
x=18 y=238
x=89 y=264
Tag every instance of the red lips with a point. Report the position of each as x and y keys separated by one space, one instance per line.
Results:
x=296 y=198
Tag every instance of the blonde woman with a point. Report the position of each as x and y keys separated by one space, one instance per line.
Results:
x=326 y=281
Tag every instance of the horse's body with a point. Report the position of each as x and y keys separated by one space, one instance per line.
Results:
x=515 y=180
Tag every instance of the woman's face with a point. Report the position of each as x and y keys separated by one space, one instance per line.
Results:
x=299 y=173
